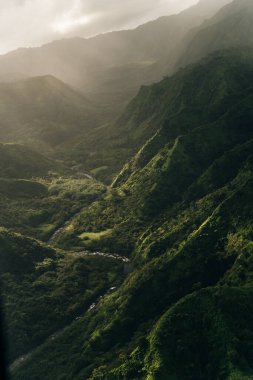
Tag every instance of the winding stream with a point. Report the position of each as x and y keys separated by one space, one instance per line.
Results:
x=128 y=267
x=55 y=235
x=25 y=358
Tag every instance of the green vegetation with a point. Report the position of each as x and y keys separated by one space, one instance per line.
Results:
x=180 y=207
x=111 y=67
x=18 y=161
x=45 y=290
x=233 y=23
x=37 y=195
x=38 y=208
x=43 y=112
x=112 y=145
x=183 y=208
x=190 y=140
x=137 y=338
x=94 y=235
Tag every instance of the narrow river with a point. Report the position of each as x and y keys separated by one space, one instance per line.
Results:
x=25 y=358
x=55 y=235
x=128 y=267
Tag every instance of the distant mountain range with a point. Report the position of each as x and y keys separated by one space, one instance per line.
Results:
x=55 y=115
x=230 y=27
x=44 y=111
x=137 y=123
x=178 y=163
x=111 y=67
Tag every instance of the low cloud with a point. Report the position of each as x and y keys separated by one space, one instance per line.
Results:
x=34 y=22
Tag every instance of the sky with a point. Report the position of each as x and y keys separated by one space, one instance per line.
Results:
x=26 y=23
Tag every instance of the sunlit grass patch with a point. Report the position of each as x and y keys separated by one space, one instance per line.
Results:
x=95 y=235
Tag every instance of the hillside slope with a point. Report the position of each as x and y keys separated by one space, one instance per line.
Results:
x=43 y=111
x=19 y=161
x=44 y=289
x=183 y=208
x=106 y=149
x=230 y=27
x=37 y=194
x=111 y=67
x=201 y=106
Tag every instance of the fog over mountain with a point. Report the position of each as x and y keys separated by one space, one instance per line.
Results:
x=111 y=67
x=33 y=22
x=126 y=182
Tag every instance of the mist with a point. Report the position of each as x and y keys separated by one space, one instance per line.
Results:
x=27 y=23
x=126 y=182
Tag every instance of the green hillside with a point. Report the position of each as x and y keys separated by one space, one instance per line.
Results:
x=198 y=118
x=230 y=27
x=147 y=275
x=184 y=315
x=183 y=208
x=38 y=195
x=106 y=149
x=43 y=112
x=49 y=115
x=19 y=161
x=40 y=207
x=44 y=290
x=111 y=67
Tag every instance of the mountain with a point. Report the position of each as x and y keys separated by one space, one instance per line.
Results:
x=182 y=207
x=43 y=111
x=230 y=27
x=106 y=149
x=51 y=116
x=111 y=67
x=150 y=278
x=207 y=101
x=19 y=161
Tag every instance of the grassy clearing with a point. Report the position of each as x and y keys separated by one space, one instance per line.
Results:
x=95 y=235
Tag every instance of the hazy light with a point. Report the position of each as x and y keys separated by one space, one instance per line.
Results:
x=35 y=22
x=66 y=24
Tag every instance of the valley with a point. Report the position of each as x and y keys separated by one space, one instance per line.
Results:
x=126 y=183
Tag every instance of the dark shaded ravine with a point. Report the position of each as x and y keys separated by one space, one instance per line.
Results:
x=24 y=358
x=55 y=235
x=127 y=268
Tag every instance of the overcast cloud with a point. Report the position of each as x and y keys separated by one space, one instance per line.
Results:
x=34 y=22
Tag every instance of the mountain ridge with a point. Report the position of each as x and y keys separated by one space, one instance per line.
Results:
x=179 y=210
x=43 y=109
x=101 y=53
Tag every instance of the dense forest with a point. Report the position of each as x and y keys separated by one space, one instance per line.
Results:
x=126 y=198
